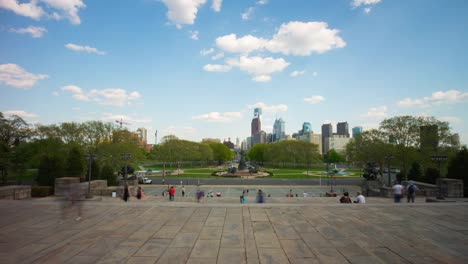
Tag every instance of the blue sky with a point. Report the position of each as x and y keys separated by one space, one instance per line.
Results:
x=197 y=68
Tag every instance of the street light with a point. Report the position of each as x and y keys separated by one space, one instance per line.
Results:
x=125 y=156
x=439 y=159
x=89 y=158
x=387 y=159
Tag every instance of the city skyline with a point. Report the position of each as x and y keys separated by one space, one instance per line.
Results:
x=198 y=69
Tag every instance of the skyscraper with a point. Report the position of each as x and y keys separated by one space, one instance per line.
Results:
x=142 y=134
x=256 y=127
x=356 y=131
x=342 y=129
x=278 y=130
x=327 y=131
x=306 y=127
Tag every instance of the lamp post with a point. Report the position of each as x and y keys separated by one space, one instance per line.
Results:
x=125 y=156
x=387 y=159
x=89 y=158
x=439 y=159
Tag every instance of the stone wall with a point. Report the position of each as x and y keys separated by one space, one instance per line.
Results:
x=15 y=192
x=62 y=185
x=451 y=188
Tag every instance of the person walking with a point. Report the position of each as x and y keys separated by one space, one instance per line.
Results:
x=411 y=191
x=171 y=193
x=126 y=194
x=183 y=191
x=139 y=193
x=397 y=192
x=360 y=198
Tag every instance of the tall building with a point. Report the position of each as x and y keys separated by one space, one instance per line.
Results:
x=306 y=127
x=327 y=131
x=257 y=135
x=336 y=142
x=356 y=131
x=278 y=130
x=312 y=138
x=142 y=134
x=342 y=129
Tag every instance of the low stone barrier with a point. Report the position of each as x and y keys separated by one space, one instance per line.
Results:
x=15 y=192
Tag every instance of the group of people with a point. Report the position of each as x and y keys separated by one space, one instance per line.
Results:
x=399 y=190
x=347 y=199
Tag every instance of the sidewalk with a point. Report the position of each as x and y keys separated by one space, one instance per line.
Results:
x=112 y=231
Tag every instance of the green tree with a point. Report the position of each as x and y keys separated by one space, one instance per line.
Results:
x=107 y=173
x=257 y=153
x=415 y=172
x=221 y=153
x=458 y=168
x=75 y=162
x=50 y=168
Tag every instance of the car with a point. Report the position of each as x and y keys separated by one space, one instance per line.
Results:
x=145 y=180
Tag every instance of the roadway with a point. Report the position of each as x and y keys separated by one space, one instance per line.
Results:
x=238 y=181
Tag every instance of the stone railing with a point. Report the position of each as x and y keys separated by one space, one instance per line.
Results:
x=15 y=192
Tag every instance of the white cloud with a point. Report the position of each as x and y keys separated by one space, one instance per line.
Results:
x=316 y=99
x=376 y=112
x=437 y=98
x=293 y=38
x=262 y=2
x=246 y=15
x=246 y=44
x=451 y=119
x=259 y=67
x=216 y=5
x=367 y=10
x=303 y=39
x=217 y=68
x=19 y=113
x=269 y=109
x=67 y=8
x=55 y=93
x=182 y=12
x=262 y=78
x=113 y=97
x=14 y=75
x=296 y=73
x=205 y=52
x=31 y=9
x=88 y=49
x=218 y=117
x=194 y=34
x=35 y=32
x=218 y=55
x=357 y=3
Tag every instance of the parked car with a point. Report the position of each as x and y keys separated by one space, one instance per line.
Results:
x=145 y=180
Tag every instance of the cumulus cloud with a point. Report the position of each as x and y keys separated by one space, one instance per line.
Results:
x=112 y=97
x=35 y=32
x=19 y=113
x=246 y=15
x=14 y=75
x=269 y=109
x=205 y=52
x=216 y=5
x=262 y=2
x=316 y=99
x=376 y=112
x=62 y=9
x=357 y=3
x=293 y=38
x=218 y=117
x=194 y=34
x=259 y=67
x=88 y=49
x=367 y=10
x=296 y=73
x=217 y=68
x=246 y=44
x=437 y=98
x=262 y=78
x=183 y=12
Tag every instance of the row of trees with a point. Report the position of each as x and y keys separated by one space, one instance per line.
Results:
x=288 y=151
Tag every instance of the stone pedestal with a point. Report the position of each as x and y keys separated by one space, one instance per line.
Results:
x=15 y=192
x=451 y=188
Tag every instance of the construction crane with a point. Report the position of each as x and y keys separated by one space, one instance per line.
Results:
x=121 y=122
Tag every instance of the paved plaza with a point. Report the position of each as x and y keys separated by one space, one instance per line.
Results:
x=314 y=230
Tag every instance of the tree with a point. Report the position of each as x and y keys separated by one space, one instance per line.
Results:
x=333 y=157
x=75 y=162
x=415 y=172
x=50 y=168
x=257 y=153
x=221 y=153
x=458 y=168
x=107 y=173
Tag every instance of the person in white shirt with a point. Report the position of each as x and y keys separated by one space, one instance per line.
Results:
x=397 y=191
x=360 y=198
x=305 y=194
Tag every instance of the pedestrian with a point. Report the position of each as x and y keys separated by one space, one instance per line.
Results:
x=126 y=194
x=397 y=192
x=139 y=193
x=183 y=191
x=260 y=196
x=360 y=198
x=411 y=191
x=345 y=198
x=171 y=193
x=242 y=199
x=304 y=194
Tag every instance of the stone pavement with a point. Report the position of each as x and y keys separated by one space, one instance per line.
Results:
x=112 y=231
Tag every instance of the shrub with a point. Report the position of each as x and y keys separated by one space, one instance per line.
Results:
x=41 y=191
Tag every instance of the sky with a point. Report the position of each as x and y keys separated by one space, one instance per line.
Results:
x=197 y=68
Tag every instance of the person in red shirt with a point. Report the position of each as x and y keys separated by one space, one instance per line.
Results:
x=171 y=193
